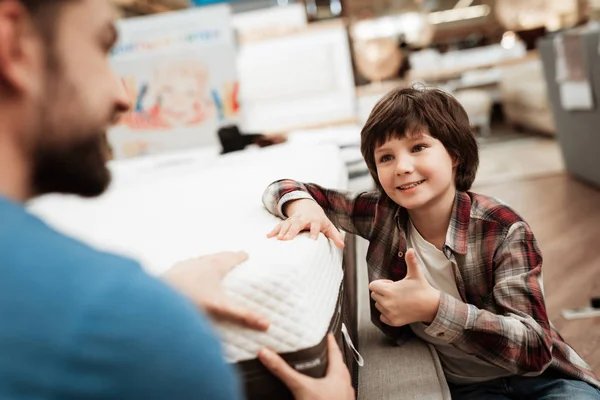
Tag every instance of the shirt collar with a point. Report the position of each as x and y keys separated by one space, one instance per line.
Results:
x=458 y=230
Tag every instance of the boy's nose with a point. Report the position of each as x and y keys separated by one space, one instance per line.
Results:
x=404 y=167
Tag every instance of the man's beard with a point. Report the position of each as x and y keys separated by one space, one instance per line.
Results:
x=69 y=150
x=78 y=167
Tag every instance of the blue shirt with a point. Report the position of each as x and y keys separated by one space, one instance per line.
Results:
x=79 y=323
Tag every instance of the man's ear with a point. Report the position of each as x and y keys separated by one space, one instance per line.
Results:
x=20 y=47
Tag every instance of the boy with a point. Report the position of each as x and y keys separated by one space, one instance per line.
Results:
x=460 y=270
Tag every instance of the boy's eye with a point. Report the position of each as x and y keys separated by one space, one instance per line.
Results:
x=418 y=148
x=385 y=158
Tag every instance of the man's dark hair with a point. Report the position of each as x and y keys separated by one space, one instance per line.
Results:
x=405 y=112
x=45 y=15
x=35 y=5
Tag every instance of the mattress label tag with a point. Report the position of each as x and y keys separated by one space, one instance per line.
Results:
x=359 y=359
x=307 y=364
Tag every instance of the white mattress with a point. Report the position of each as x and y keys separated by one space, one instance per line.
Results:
x=161 y=210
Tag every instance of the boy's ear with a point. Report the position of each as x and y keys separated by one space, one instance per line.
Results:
x=455 y=161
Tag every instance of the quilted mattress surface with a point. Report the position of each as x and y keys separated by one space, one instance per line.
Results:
x=165 y=209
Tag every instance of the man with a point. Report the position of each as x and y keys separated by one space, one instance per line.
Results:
x=75 y=322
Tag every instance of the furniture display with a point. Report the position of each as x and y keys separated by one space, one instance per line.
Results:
x=576 y=130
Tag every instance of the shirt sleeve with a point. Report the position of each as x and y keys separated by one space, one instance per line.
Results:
x=138 y=339
x=351 y=212
x=518 y=337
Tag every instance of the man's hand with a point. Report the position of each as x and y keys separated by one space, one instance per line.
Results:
x=306 y=214
x=199 y=279
x=336 y=385
x=410 y=300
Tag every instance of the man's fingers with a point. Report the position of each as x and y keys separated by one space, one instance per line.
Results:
x=385 y=320
x=239 y=315
x=226 y=261
x=228 y=256
x=379 y=307
x=334 y=234
x=239 y=257
x=335 y=357
x=278 y=367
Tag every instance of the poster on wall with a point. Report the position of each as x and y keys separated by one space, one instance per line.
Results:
x=179 y=71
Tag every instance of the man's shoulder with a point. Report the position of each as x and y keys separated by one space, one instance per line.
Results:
x=44 y=265
x=58 y=275
x=74 y=305
x=158 y=345
x=28 y=242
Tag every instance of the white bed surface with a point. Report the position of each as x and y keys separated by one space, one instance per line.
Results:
x=165 y=209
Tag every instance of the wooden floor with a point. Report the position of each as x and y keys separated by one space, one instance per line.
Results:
x=565 y=217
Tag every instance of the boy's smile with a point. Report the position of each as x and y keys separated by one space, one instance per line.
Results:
x=409 y=186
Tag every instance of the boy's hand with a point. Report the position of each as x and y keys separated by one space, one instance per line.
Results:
x=410 y=300
x=199 y=279
x=336 y=385
x=306 y=214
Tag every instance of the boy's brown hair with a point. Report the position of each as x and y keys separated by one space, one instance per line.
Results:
x=405 y=112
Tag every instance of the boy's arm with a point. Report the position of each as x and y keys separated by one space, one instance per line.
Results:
x=352 y=212
x=518 y=337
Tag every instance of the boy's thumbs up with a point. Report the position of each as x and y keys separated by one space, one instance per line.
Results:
x=413 y=269
x=409 y=300
x=380 y=285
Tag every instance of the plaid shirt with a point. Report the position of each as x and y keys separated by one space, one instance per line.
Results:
x=497 y=264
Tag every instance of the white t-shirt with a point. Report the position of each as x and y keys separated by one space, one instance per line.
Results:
x=459 y=367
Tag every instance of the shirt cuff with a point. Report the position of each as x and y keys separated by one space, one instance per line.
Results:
x=295 y=195
x=450 y=321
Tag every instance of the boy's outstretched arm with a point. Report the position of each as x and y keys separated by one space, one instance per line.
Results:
x=306 y=214
x=518 y=337
x=351 y=212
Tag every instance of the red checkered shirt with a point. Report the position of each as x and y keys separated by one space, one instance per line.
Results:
x=501 y=316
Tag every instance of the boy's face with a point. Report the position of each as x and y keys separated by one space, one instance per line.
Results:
x=415 y=171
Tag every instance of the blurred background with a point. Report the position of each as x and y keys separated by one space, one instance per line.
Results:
x=246 y=74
